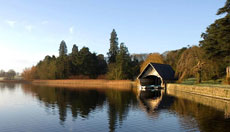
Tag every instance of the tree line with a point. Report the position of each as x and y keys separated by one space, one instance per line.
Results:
x=82 y=64
x=10 y=74
x=78 y=64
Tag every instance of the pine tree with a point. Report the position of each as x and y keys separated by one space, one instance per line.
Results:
x=123 y=62
x=216 y=40
x=122 y=68
x=62 y=48
x=74 y=67
x=113 y=47
x=74 y=49
x=225 y=9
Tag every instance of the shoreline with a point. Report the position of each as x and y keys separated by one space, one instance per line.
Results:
x=14 y=81
x=88 y=83
x=214 y=92
x=209 y=91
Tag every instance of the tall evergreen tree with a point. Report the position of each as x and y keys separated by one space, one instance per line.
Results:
x=75 y=49
x=225 y=9
x=74 y=67
x=62 y=48
x=216 y=40
x=113 y=50
x=124 y=67
x=123 y=61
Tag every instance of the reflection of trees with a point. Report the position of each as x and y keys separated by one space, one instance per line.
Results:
x=207 y=118
x=119 y=103
x=80 y=102
x=10 y=86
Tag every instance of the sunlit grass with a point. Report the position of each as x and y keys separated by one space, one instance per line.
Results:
x=209 y=83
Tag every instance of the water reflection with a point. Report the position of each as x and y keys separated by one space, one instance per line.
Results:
x=188 y=112
x=207 y=118
x=119 y=104
x=209 y=114
x=79 y=102
x=82 y=102
x=153 y=101
x=150 y=100
x=10 y=86
x=196 y=113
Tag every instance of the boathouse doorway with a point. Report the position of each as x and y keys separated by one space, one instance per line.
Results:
x=150 y=80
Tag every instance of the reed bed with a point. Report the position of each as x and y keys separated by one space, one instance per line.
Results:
x=89 y=83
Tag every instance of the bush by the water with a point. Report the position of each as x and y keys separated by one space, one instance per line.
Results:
x=228 y=80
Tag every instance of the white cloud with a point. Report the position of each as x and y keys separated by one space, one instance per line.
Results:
x=29 y=28
x=11 y=23
x=44 y=22
x=71 y=30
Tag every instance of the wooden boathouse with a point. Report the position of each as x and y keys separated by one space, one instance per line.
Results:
x=156 y=75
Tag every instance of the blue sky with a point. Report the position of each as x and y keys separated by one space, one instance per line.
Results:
x=31 y=29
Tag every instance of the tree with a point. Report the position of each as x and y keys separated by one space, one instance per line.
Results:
x=102 y=65
x=62 y=48
x=225 y=9
x=29 y=73
x=47 y=68
x=124 y=67
x=216 y=40
x=10 y=74
x=153 y=57
x=74 y=67
x=113 y=50
x=192 y=63
x=124 y=62
x=2 y=73
x=62 y=67
x=172 y=57
x=74 y=50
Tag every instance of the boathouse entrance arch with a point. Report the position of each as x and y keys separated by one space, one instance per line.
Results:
x=151 y=80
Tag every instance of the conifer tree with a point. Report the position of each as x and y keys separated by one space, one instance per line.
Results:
x=113 y=50
x=216 y=40
x=74 y=49
x=62 y=48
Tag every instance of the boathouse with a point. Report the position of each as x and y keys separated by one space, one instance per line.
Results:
x=156 y=74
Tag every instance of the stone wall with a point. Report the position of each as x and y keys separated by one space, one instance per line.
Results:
x=219 y=104
x=217 y=92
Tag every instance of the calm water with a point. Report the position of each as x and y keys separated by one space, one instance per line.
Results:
x=27 y=108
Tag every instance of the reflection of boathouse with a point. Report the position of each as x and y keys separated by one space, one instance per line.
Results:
x=151 y=101
x=156 y=74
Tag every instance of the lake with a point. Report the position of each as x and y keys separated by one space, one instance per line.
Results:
x=30 y=108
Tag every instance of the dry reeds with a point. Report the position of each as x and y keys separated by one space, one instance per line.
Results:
x=88 y=83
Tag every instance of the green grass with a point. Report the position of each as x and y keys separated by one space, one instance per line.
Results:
x=209 y=83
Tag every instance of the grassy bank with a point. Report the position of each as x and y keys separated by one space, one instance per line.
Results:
x=89 y=83
x=209 y=83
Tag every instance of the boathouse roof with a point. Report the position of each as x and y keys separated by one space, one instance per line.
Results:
x=165 y=71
